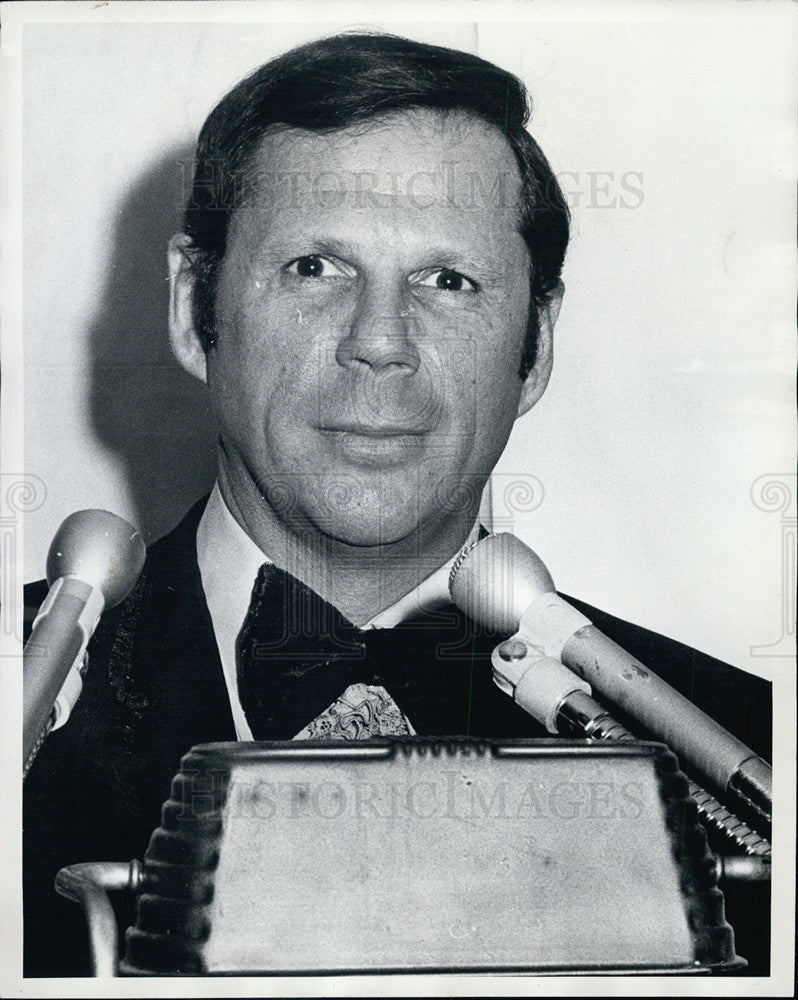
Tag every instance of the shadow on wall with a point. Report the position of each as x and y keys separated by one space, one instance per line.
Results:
x=152 y=415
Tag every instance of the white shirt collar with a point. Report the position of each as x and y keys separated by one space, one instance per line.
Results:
x=229 y=562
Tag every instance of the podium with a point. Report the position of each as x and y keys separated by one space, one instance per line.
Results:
x=418 y=855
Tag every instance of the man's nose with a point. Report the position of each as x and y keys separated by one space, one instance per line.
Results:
x=380 y=334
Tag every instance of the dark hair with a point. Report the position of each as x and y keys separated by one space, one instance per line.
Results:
x=346 y=80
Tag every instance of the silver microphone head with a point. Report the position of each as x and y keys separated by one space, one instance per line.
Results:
x=99 y=548
x=496 y=579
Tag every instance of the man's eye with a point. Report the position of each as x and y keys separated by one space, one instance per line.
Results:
x=315 y=266
x=446 y=280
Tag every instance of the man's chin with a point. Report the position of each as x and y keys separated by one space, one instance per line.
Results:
x=364 y=532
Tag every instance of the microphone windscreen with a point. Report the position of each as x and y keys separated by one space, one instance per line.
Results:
x=99 y=548
x=496 y=579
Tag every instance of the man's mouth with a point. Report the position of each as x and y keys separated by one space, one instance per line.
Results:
x=375 y=444
x=375 y=430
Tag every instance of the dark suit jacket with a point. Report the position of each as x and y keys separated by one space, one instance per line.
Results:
x=155 y=688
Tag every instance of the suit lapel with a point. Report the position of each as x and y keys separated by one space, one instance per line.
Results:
x=164 y=665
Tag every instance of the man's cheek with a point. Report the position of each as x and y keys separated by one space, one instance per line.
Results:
x=461 y=390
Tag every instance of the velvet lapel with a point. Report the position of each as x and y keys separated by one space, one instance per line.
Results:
x=164 y=666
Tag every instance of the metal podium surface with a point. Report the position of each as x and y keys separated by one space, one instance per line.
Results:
x=411 y=855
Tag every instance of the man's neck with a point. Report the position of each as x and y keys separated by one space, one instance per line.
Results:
x=360 y=581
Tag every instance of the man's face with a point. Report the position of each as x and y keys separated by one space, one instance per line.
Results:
x=371 y=312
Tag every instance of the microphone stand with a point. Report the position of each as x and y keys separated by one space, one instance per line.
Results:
x=562 y=702
x=70 y=691
x=504 y=585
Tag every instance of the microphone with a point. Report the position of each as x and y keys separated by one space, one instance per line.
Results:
x=93 y=563
x=502 y=584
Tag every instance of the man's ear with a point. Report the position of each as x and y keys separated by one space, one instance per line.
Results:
x=185 y=341
x=538 y=377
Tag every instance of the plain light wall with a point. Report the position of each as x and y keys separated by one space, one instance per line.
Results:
x=672 y=389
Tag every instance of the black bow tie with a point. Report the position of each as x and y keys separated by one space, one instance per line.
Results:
x=296 y=655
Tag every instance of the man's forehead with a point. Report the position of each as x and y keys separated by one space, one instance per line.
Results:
x=415 y=159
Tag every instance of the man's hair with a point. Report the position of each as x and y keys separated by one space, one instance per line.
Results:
x=351 y=79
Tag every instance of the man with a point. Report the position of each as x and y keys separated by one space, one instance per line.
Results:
x=368 y=282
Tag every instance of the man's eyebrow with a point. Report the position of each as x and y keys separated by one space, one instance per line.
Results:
x=335 y=246
x=461 y=261
x=278 y=246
